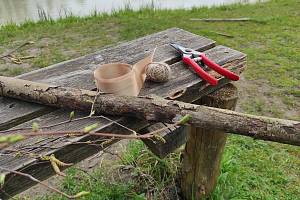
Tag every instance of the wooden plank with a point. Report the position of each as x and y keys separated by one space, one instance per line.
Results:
x=190 y=92
x=78 y=72
x=177 y=137
x=185 y=85
x=72 y=74
x=174 y=138
x=73 y=153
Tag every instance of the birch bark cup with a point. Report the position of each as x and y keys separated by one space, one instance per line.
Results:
x=121 y=78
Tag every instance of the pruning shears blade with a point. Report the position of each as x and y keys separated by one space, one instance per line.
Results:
x=185 y=51
x=179 y=49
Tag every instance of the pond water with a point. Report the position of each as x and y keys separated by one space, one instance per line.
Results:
x=20 y=10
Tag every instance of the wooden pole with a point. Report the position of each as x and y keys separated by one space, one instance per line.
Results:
x=204 y=149
x=154 y=108
x=222 y=19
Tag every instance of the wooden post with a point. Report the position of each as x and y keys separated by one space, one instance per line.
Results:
x=204 y=149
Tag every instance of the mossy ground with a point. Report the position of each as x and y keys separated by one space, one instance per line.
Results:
x=270 y=86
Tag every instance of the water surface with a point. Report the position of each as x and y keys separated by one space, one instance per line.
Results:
x=20 y=10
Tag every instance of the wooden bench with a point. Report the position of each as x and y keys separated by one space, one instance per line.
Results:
x=184 y=86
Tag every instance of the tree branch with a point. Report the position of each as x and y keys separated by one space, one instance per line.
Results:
x=40 y=182
x=153 y=109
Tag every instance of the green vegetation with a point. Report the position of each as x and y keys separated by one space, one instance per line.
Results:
x=250 y=169
x=140 y=174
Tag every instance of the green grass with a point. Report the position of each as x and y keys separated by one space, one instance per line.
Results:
x=257 y=170
x=140 y=174
x=250 y=169
x=100 y=188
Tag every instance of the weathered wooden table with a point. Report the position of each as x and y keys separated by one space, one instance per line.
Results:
x=184 y=86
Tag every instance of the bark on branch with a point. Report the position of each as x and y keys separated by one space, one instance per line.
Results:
x=154 y=108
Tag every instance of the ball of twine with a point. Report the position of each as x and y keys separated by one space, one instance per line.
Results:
x=158 y=72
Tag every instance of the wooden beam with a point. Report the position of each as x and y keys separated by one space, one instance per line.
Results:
x=175 y=138
x=244 y=19
x=204 y=149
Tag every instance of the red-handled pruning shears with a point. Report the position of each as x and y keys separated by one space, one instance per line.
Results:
x=191 y=57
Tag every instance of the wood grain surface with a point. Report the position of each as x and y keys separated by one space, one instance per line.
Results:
x=184 y=85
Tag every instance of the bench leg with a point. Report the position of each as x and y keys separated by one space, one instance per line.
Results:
x=204 y=149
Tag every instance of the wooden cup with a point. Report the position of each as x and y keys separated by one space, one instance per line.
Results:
x=121 y=78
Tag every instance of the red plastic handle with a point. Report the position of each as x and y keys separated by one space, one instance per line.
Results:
x=203 y=74
x=219 y=69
